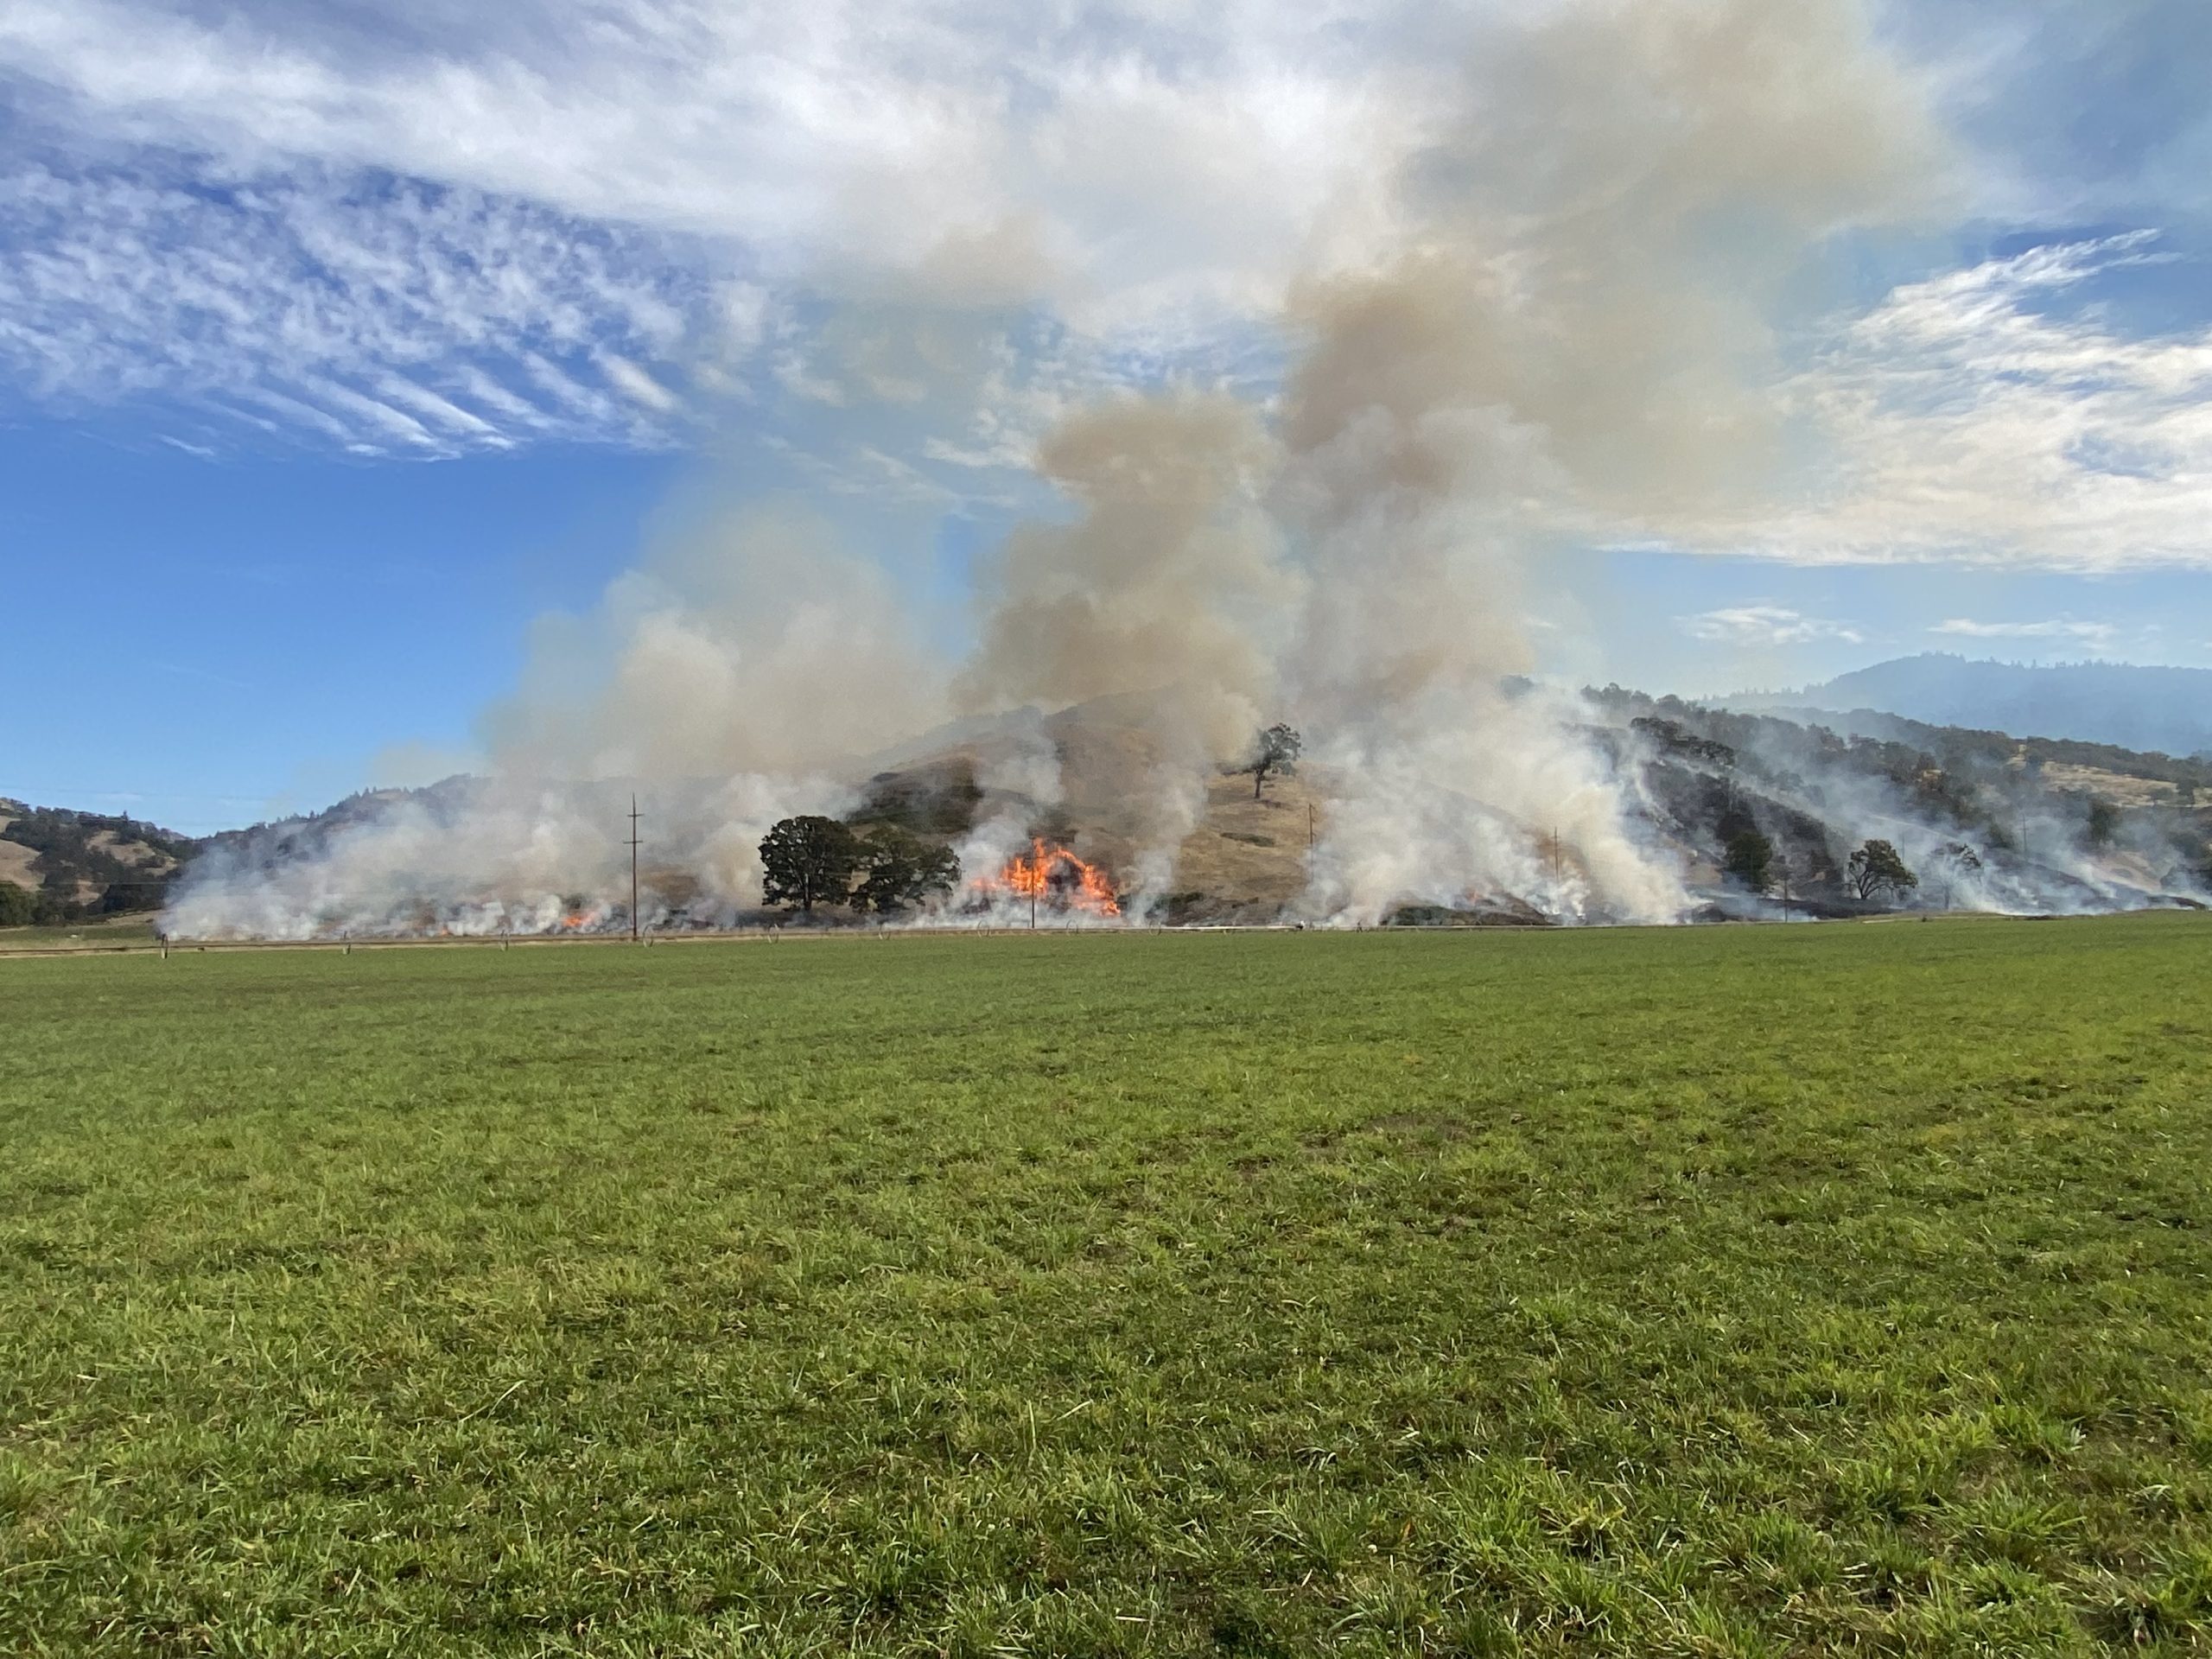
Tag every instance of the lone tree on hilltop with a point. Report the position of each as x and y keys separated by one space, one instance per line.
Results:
x=1751 y=861
x=1876 y=868
x=808 y=861
x=902 y=870
x=1277 y=751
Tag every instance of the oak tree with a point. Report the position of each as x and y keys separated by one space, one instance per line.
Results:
x=1275 y=750
x=1875 y=869
x=808 y=861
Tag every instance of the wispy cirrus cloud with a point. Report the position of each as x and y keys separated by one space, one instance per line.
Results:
x=1994 y=415
x=578 y=224
x=384 y=315
x=1764 y=625
x=2100 y=635
x=2074 y=109
x=409 y=232
x=988 y=145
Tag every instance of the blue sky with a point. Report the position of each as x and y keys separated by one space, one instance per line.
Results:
x=339 y=344
x=228 y=637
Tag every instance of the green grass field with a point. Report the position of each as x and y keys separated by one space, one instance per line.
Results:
x=93 y=933
x=1728 y=1291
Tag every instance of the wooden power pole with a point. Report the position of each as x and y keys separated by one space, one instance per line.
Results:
x=633 y=869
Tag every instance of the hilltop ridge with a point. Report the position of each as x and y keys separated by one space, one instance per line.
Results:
x=58 y=864
x=2144 y=709
x=1987 y=820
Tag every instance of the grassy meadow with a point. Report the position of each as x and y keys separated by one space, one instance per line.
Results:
x=128 y=932
x=1794 y=1290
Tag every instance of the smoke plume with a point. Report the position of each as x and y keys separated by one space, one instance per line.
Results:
x=1557 y=327
x=1572 y=340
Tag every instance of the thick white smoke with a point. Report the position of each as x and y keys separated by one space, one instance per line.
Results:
x=1572 y=341
x=482 y=856
x=759 y=644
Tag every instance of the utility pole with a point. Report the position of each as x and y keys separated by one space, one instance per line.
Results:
x=633 y=869
x=1309 y=826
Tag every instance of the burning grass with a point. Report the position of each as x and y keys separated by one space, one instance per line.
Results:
x=1811 y=1289
x=1051 y=877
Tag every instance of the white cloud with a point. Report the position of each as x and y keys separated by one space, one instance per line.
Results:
x=1989 y=414
x=425 y=230
x=426 y=213
x=385 y=317
x=2098 y=634
x=854 y=133
x=635 y=382
x=1766 y=626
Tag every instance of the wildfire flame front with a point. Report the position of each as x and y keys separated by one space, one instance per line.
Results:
x=1051 y=874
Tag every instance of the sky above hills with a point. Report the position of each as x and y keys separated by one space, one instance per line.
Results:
x=341 y=345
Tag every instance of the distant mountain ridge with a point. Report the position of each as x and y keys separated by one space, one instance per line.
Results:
x=2157 y=709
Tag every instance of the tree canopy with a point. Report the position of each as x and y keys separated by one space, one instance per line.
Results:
x=131 y=863
x=808 y=861
x=1875 y=869
x=1276 y=750
x=1751 y=861
x=902 y=870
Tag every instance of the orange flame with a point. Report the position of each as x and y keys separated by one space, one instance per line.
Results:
x=574 y=919
x=1051 y=874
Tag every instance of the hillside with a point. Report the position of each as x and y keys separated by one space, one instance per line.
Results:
x=1990 y=821
x=57 y=865
x=1980 y=820
x=2166 y=711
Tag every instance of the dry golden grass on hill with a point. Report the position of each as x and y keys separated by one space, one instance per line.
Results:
x=1102 y=790
x=16 y=862
x=2121 y=789
x=1251 y=854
